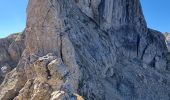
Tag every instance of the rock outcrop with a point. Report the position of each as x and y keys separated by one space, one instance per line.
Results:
x=11 y=49
x=167 y=39
x=88 y=50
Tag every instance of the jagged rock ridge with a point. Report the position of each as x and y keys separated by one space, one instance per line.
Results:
x=11 y=49
x=86 y=49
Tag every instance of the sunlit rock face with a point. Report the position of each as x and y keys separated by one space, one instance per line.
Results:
x=167 y=39
x=88 y=50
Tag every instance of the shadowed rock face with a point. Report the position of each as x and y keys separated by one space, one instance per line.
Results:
x=89 y=49
x=115 y=14
x=11 y=49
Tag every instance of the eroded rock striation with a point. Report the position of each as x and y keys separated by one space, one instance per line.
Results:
x=88 y=50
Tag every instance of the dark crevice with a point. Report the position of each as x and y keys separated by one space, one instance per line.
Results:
x=101 y=11
x=15 y=95
x=127 y=11
x=47 y=70
x=152 y=64
x=90 y=3
x=77 y=1
x=48 y=73
x=138 y=44
x=61 y=46
x=144 y=51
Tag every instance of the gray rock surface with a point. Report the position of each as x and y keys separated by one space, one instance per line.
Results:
x=167 y=39
x=11 y=49
x=89 y=50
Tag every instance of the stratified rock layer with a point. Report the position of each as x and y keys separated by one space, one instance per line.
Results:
x=91 y=50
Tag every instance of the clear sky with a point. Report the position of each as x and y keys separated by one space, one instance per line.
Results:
x=157 y=14
x=13 y=15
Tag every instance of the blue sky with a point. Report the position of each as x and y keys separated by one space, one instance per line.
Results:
x=157 y=14
x=13 y=15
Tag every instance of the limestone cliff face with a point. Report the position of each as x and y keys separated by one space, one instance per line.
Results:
x=91 y=50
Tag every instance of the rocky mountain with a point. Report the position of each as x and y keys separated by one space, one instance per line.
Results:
x=87 y=50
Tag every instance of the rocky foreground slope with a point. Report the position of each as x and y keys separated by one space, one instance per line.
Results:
x=88 y=50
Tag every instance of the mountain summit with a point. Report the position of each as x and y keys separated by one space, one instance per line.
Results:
x=87 y=50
